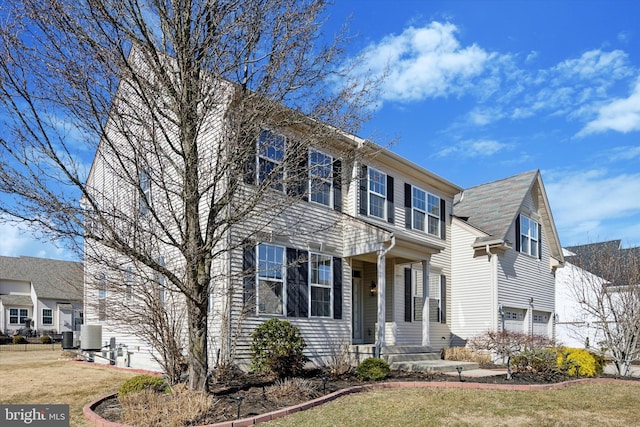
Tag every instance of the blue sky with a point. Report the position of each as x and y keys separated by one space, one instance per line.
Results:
x=483 y=90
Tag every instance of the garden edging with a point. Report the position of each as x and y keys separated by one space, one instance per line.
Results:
x=89 y=413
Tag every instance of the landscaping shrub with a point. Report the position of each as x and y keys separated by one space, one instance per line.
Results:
x=19 y=339
x=283 y=389
x=466 y=354
x=46 y=339
x=140 y=383
x=277 y=347
x=373 y=369
x=579 y=362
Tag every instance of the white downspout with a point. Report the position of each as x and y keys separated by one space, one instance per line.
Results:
x=494 y=289
x=382 y=284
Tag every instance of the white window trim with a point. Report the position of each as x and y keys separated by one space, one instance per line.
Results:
x=371 y=192
x=416 y=297
x=283 y=280
x=277 y=163
x=44 y=316
x=427 y=213
x=21 y=318
x=434 y=294
x=531 y=241
x=319 y=285
x=328 y=180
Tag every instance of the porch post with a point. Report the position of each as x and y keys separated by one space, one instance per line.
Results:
x=380 y=341
x=426 y=341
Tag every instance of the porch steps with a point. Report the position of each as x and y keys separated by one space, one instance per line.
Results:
x=423 y=359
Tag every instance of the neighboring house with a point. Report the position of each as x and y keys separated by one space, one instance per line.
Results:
x=44 y=296
x=575 y=326
x=505 y=254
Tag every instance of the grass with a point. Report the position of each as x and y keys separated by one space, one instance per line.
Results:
x=611 y=404
x=39 y=377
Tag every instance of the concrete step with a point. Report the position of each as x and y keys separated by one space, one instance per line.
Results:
x=412 y=357
x=433 y=366
x=402 y=349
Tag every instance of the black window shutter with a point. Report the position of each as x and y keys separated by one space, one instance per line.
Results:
x=408 y=303
x=364 y=182
x=443 y=219
x=297 y=284
x=539 y=241
x=303 y=288
x=297 y=172
x=443 y=299
x=337 y=288
x=407 y=205
x=390 y=207
x=249 y=279
x=337 y=185
x=518 y=233
x=249 y=169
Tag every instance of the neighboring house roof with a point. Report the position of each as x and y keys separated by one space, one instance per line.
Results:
x=51 y=279
x=605 y=259
x=493 y=207
x=8 y=300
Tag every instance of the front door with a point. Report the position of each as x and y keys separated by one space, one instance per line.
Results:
x=356 y=308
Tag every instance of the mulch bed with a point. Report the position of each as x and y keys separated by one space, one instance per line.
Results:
x=247 y=392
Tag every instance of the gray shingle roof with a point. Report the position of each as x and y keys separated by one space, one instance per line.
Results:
x=52 y=279
x=23 y=300
x=493 y=207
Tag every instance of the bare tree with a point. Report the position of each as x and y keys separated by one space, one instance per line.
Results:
x=165 y=100
x=606 y=284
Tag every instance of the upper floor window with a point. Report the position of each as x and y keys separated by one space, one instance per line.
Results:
x=47 y=316
x=425 y=211
x=271 y=265
x=17 y=316
x=321 y=285
x=377 y=193
x=144 y=179
x=529 y=236
x=320 y=177
x=270 y=157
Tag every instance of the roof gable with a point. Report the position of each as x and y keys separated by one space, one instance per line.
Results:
x=494 y=207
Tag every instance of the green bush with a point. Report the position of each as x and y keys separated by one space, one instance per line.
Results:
x=373 y=369
x=580 y=362
x=277 y=347
x=141 y=383
x=46 y=339
x=539 y=361
x=19 y=339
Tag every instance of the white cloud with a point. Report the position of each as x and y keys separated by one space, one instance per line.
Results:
x=474 y=148
x=621 y=115
x=17 y=242
x=424 y=62
x=586 y=205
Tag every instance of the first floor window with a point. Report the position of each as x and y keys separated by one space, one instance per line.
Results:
x=417 y=296
x=528 y=236
x=270 y=279
x=17 y=316
x=47 y=316
x=434 y=298
x=321 y=285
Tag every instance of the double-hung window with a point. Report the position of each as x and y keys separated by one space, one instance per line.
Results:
x=17 y=316
x=47 y=316
x=102 y=296
x=160 y=281
x=145 y=188
x=435 y=312
x=425 y=211
x=377 y=193
x=271 y=276
x=320 y=177
x=529 y=239
x=270 y=159
x=321 y=285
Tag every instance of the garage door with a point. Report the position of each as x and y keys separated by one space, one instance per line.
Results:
x=541 y=323
x=514 y=319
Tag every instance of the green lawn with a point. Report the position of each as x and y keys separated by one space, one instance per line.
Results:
x=610 y=404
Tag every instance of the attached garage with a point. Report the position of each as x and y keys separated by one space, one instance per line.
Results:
x=541 y=323
x=514 y=319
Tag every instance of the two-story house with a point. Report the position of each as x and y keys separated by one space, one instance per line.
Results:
x=43 y=296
